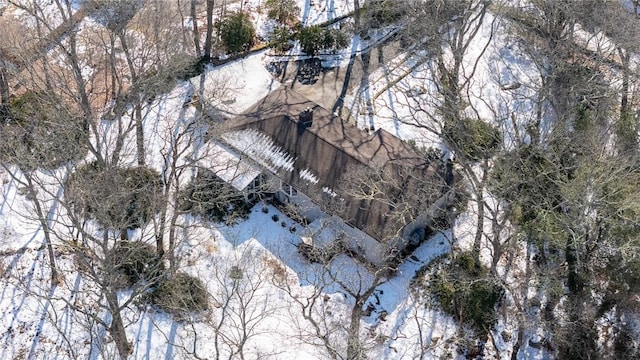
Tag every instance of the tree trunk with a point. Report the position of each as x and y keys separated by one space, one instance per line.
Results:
x=624 y=101
x=160 y=233
x=137 y=108
x=356 y=15
x=196 y=33
x=139 y=135
x=354 y=348
x=116 y=329
x=479 y=226
x=516 y=347
x=44 y=223
x=209 y=37
x=83 y=96
x=172 y=240
x=627 y=132
x=4 y=86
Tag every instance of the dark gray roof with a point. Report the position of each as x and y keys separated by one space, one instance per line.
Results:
x=331 y=148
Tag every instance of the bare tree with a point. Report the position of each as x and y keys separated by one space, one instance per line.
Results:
x=208 y=41
x=196 y=32
x=108 y=262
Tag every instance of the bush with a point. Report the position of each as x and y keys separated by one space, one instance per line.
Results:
x=283 y=11
x=280 y=39
x=383 y=12
x=180 y=294
x=315 y=38
x=529 y=179
x=183 y=67
x=117 y=198
x=474 y=139
x=334 y=40
x=212 y=198
x=115 y=15
x=237 y=32
x=466 y=264
x=310 y=38
x=464 y=292
x=40 y=131
x=136 y=261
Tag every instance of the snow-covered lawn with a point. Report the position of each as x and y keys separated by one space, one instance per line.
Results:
x=40 y=321
x=271 y=297
x=402 y=98
x=232 y=88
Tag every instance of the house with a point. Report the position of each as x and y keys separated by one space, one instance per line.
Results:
x=376 y=183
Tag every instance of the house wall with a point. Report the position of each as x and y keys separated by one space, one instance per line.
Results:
x=437 y=209
x=356 y=240
x=304 y=205
x=362 y=244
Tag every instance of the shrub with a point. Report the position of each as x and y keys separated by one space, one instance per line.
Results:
x=40 y=131
x=280 y=39
x=136 y=261
x=529 y=179
x=283 y=11
x=311 y=38
x=315 y=38
x=334 y=40
x=154 y=83
x=237 y=32
x=474 y=139
x=466 y=264
x=383 y=12
x=464 y=292
x=115 y=15
x=117 y=198
x=212 y=198
x=180 y=294
x=184 y=67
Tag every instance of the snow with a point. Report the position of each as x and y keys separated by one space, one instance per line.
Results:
x=402 y=98
x=47 y=10
x=232 y=88
x=229 y=166
x=261 y=148
x=39 y=321
x=311 y=12
x=274 y=275
x=308 y=175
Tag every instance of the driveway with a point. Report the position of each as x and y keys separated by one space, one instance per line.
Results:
x=328 y=86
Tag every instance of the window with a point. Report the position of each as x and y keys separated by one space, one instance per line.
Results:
x=289 y=190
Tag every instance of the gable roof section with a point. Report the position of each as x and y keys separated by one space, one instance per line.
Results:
x=228 y=166
x=327 y=149
x=328 y=145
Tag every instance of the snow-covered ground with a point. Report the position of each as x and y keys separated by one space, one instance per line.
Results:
x=402 y=98
x=38 y=321
x=232 y=88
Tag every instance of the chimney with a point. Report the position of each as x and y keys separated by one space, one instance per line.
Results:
x=305 y=118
